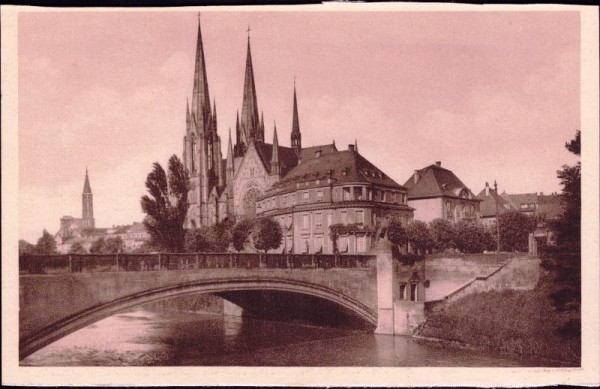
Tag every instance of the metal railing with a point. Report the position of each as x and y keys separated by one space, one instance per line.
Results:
x=92 y=263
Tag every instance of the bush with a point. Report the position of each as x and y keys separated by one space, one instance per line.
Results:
x=197 y=240
x=396 y=233
x=46 y=244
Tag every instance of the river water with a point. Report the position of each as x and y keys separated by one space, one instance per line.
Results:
x=146 y=338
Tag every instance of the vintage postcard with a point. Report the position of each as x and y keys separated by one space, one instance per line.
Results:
x=338 y=194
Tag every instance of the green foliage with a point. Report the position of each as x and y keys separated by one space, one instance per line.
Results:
x=515 y=228
x=240 y=232
x=46 y=244
x=442 y=234
x=198 y=240
x=563 y=261
x=471 y=238
x=396 y=233
x=77 y=248
x=167 y=205
x=145 y=248
x=25 y=248
x=335 y=231
x=419 y=236
x=518 y=322
x=110 y=245
x=221 y=235
x=267 y=234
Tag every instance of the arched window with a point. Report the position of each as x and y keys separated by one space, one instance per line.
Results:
x=210 y=153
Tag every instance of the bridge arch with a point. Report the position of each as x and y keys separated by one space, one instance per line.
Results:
x=72 y=323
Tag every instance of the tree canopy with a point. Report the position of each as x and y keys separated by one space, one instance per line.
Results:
x=267 y=234
x=419 y=236
x=240 y=232
x=166 y=205
x=77 y=248
x=46 y=244
x=515 y=228
x=442 y=233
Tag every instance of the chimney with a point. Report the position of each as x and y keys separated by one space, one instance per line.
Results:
x=351 y=147
x=487 y=189
x=416 y=176
x=438 y=163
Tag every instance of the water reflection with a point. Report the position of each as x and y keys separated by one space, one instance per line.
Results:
x=147 y=338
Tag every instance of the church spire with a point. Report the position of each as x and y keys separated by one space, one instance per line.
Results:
x=87 y=203
x=86 y=184
x=200 y=97
x=296 y=136
x=249 y=123
x=275 y=154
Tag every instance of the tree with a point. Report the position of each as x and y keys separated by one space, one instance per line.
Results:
x=113 y=245
x=46 y=244
x=396 y=233
x=97 y=246
x=220 y=235
x=442 y=234
x=515 y=228
x=25 y=248
x=77 y=248
x=240 y=232
x=267 y=234
x=419 y=236
x=563 y=261
x=167 y=205
x=472 y=238
x=197 y=240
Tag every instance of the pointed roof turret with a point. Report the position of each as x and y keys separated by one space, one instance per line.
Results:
x=275 y=153
x=230 y=151
x=86 y=185
x=200 y=96
x=249 y=121
x=296 y=136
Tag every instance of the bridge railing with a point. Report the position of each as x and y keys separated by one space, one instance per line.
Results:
x=92 y=263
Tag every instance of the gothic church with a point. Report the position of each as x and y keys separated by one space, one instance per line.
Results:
x=305 y=189
x=229 y=187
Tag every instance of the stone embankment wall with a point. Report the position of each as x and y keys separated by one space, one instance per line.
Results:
x=516 y=274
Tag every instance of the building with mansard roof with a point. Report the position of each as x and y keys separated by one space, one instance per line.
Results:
x=312 y=186
x=437 y=193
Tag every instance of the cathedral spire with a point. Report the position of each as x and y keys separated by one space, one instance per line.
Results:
x=275 y=154
x=230 y=155
x=249 y=123
x=200 y=97
x=214 y=114
x=296 y=136
x=87 y=203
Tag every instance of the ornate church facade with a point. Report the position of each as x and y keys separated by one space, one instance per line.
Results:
x=256 y=178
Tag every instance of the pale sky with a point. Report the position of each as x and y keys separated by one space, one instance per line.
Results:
x=493 y=95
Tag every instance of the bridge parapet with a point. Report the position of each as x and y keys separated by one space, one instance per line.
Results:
x=72 y=263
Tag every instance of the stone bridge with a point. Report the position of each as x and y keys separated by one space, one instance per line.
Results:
x=62 y=294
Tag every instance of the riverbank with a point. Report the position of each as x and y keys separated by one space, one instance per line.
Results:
x=522 y=323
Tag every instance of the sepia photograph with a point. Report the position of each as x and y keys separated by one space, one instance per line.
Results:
x=301 y=187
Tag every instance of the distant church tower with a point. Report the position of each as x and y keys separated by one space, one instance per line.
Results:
x=296 y=135
x=87 y=204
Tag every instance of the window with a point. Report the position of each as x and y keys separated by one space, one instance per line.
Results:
x=343 y=217
x=413 y=292
x=305 y=246
x=289 y=220
x=318 y=219
x=319 y=195
x=523 y=206
x=343 y=244
x=360 y=217
x=289 y=244
x=329 y=219
x=284 y=201
x=347 y=194
x=305 y=221
x=361 y=244
x=305 y=197
x=318 y=244
x=403 y=290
